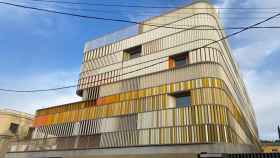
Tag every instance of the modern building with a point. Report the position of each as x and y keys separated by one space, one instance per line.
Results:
x=14 y=126
x=165 y=86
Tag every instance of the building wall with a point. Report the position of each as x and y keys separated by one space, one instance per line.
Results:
x=6 y=118
x=271 y=148
x=173 y=16
x=127 y=101
x=149 y=110
x=174 y=151
x=105 y=65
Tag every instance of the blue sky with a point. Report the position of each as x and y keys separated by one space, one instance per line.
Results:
x=42 y=50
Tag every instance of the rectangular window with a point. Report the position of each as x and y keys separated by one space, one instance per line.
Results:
x=14 y=128
x=181 y=99
x=178 y=60
x=132 y=53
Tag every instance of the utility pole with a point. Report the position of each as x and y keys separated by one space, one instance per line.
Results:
x=278 y=132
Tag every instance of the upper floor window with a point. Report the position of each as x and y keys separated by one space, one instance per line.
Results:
x=14 y=128
x=132 y=53
x=178 y=60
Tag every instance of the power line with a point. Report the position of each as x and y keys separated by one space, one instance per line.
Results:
x=101 y=18
x=113 y=12
x=144 y=6
x=81 y=16
x=224 y=38
x=147 y=13
x=226 y=28
x=104 y=5
x=193 y=28
x=53 y=89
x=229 y=28
x=238 y=28
x=38 y=90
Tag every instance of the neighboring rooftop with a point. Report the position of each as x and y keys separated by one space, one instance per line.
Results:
x=270 y=143
x=14 y=112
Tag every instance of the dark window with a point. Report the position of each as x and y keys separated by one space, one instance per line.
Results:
x=14 y=127
x=133 y=52
x=178 y=60
x=182 y=99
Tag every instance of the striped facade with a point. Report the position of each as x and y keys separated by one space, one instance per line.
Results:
x=128 y=89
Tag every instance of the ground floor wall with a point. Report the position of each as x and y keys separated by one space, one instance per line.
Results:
x=4 y=141
x=184 y=151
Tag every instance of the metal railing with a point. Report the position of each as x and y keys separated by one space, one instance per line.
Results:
x=241 y=155
x=113 y=37
x=253 y=155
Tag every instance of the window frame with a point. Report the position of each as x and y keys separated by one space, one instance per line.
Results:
x=176 y=95
x=14 y=127
x=132 y=53
x=179 y=57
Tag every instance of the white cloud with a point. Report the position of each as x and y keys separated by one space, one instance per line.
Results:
x=264 y=87
x=255 y=53
x=251 y=49
x=29 y=102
